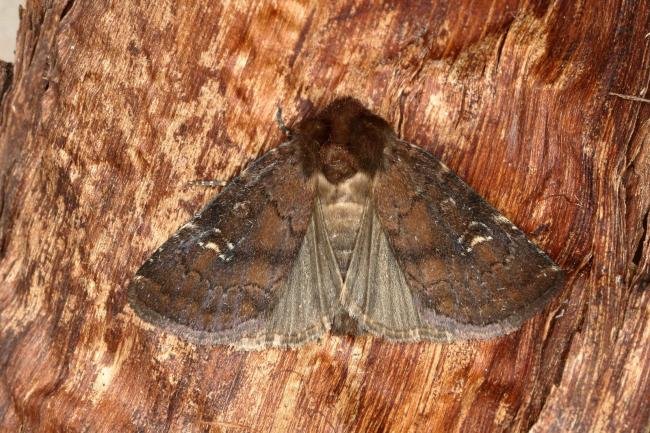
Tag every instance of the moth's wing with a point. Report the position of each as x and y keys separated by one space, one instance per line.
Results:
x=375 y=292
x=245 y=270
x=435 y=261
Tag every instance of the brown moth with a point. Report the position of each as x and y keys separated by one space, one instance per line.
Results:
x=344 y=228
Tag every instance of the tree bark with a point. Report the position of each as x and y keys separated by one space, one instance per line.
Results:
x=113 y=108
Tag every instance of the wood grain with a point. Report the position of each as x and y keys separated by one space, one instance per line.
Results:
x=113 y=107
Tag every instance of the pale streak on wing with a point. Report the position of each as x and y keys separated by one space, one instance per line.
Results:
x=309 y=296
x=376 y=293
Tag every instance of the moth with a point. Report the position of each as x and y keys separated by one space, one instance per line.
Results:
x=344 y=228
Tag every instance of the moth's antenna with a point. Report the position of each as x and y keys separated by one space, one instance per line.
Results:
x=281 y=125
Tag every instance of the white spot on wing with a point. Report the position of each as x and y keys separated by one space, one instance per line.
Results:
x=478 y=224
x=189 y=225
x=503 y=220
x=449 y=200
x=478 y=239
x=230 y=245
x=212 y=246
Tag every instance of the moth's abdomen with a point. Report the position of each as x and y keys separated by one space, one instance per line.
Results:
x=342 y=220
x=343 y=206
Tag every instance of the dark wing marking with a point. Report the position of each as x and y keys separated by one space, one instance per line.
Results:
x=224 y=277
x=470 y=271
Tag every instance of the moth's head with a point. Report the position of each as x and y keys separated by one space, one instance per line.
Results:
x=343 y=139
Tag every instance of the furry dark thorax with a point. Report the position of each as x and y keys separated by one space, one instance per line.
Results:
x=343 y=139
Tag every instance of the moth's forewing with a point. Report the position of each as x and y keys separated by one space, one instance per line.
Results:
x=221 y=276
x=471 y=273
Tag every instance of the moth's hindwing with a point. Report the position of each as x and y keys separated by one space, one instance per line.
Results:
x=233 y=273
x=435 y=261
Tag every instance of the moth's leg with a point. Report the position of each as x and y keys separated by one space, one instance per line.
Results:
x=206 y=183
x=283 y=127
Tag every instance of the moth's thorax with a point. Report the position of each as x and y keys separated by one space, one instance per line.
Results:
x=343 y=204
x=344 y=139
x=337 y=163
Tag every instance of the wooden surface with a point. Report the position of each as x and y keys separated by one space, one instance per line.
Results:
x=112 y=108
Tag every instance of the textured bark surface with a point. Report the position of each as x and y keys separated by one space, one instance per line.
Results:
x=113 y=108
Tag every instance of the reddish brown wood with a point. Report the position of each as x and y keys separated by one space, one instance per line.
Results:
x=112 y=108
